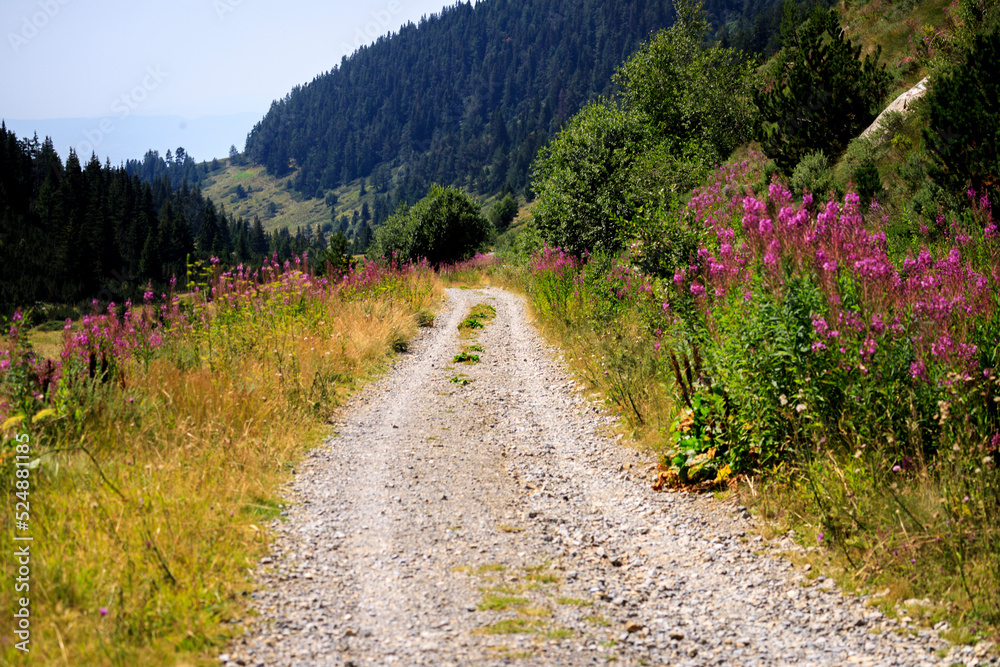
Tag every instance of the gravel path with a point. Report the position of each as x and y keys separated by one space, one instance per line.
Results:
x=498 y=522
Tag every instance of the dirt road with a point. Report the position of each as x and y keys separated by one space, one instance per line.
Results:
x=499 y=522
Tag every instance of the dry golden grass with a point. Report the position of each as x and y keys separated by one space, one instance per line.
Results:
x=47 y=344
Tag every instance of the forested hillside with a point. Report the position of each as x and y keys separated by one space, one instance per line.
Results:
x=467 y=97
x=74 y=232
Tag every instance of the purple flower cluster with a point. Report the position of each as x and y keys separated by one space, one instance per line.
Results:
x=930 y=299
x=555 y=260
x=106 y=338
x=480 y=262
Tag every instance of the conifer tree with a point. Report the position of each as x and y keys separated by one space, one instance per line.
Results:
x=823 y=94
x=258 y=238
x=964 y=133
x=208 y=229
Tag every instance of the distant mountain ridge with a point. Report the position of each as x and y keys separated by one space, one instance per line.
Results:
x=466 y=97
x=121 y=139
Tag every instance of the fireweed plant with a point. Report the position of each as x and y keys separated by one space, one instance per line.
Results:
x=848 y=354
x=475 y=270
x=161 y=434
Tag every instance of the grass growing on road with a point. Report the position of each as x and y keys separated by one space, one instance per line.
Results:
x=466 y=358
x=525 y=591
x=162 y=439
x=497 y=602
x=509 y=626
x=479 y=316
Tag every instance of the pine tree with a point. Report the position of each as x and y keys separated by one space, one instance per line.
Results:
x=208 y=229
x=150 y=262
x=824 y=98
x=362 y=239
x=241 y=249
x=963 y=134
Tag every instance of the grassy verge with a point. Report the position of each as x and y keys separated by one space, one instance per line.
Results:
x=158 y=445
x=841 y=362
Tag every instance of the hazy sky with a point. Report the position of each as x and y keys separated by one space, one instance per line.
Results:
x=101 y=58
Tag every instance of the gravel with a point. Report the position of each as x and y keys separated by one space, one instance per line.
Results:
x=501 y=521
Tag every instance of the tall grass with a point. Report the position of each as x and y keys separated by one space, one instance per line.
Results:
x=163 y=434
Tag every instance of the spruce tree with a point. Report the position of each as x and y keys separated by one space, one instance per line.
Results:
x=258 y=238
x=208 y=229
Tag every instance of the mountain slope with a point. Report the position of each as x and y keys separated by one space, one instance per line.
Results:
x=466 y=97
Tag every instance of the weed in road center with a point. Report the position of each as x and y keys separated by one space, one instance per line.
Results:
x=559 y=634
x=509 y=626
x=574 y=602
x=496 y=602
x=541 y=574
x=479 y=316
x=491 y=567
x=597 y=619
x=510 y=529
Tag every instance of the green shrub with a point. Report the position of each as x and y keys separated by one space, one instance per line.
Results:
x=868 y=183
x=666 y=240
x=444 y=226
x=889 y=126
x=515 y=246
x=812 y=173
x=503 y=213
x=582 y=178
x=689 y=91
x=684 y=107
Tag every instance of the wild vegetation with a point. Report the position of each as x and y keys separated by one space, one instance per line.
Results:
x=683 y=107
x=157 y=441
x=819 y=320
x=445 y=226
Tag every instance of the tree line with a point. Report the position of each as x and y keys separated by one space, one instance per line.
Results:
x=72 y=232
